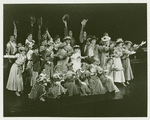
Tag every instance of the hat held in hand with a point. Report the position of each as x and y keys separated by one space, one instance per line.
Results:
x=65 y=17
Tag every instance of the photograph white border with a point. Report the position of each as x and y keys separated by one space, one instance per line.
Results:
x=65 y=2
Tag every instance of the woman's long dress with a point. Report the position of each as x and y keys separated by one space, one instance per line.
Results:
x=107 y=81
x=95 y=85
x=55 y=91
x=104 y=55
x=37 y=91
x=71 y=87
x=15 y=80
x=127 y=66
x=118 y=75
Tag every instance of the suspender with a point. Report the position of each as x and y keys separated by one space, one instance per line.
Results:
x=11 y=48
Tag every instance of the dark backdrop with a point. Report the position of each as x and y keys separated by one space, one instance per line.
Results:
x=128 y=21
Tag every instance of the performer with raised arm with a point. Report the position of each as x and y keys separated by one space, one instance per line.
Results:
x=15 y=81
x=29 y=42
x=46 y=37
x=84 y=40
x=83 y=34
x=66 y=33
x=11 y=49
x=126 y=61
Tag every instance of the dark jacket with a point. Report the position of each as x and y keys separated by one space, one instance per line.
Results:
x=36 y=62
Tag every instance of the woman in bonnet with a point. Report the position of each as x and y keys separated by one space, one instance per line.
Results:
x=118 y=75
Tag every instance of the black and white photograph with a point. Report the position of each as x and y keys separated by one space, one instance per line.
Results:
x=75 y=60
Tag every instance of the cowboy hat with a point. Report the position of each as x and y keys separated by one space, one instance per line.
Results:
x=119 y=40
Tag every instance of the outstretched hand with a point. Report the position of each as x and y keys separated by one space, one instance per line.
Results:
x=84 y=22
x=143 y=42
x=14 y=23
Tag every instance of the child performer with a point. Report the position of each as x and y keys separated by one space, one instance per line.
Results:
x=15 y=80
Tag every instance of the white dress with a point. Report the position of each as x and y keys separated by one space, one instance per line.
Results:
x=15 y=80
x=76 y=60
x=118 y=75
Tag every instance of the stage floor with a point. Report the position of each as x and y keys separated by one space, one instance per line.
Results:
x=131 y=101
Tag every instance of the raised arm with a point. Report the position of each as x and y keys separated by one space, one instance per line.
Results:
x=32 y=21
x=83 y=23
x=39 y=31
x=48 y=35
x=15 y=29
x=65 y=29
x=135 y=46
x=81 y=34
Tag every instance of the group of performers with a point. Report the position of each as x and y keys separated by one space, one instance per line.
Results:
x=58 y=66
